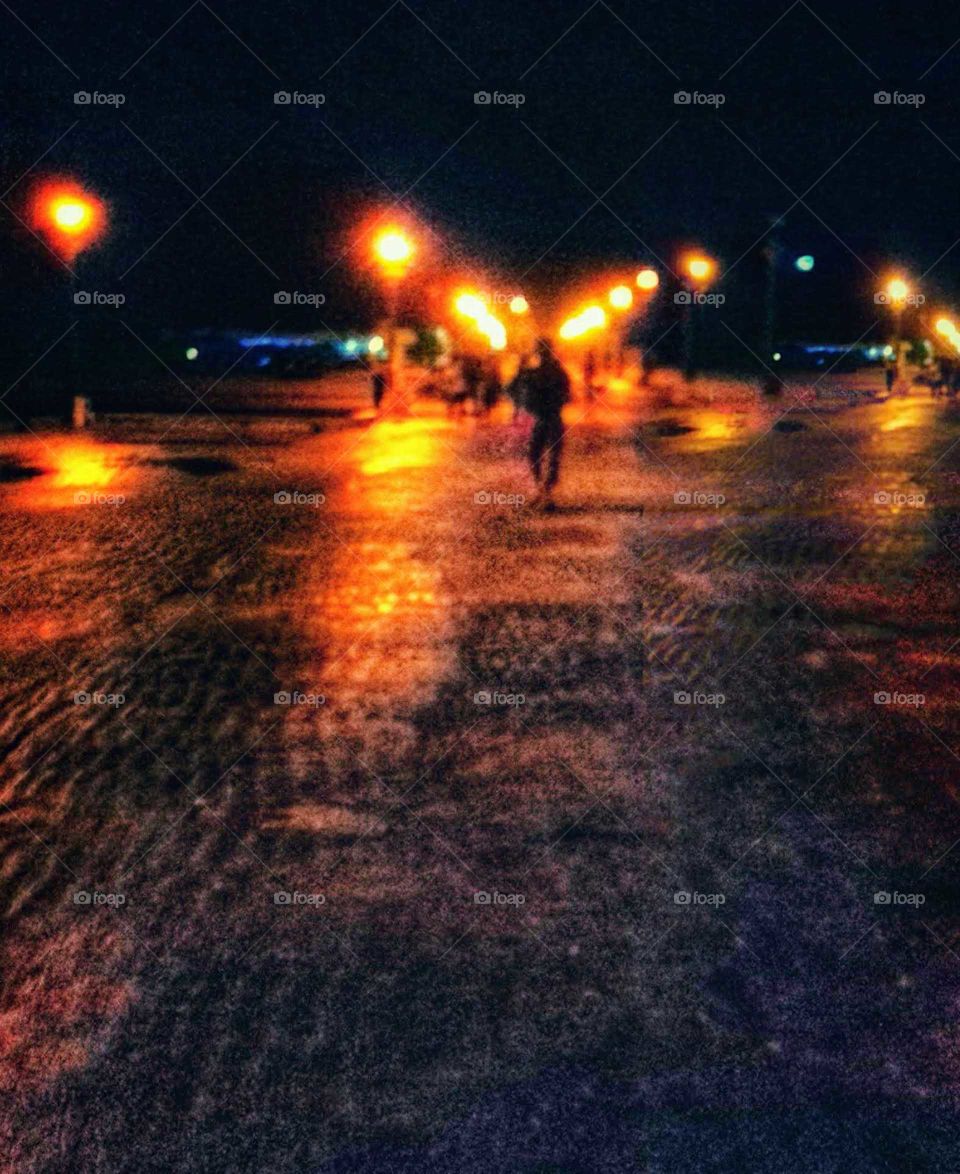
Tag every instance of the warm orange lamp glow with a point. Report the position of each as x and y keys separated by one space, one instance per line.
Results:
x=621 y=297
x=70 y=218
x=648 y=279
x=700 y=268
x=393 y=248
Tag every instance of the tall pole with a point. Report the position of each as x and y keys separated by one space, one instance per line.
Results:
x=771 y=253
x=689 y=370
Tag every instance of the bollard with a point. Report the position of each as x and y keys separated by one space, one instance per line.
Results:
x=82 y=415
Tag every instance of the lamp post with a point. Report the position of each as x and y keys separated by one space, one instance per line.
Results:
x=895 y=295
x=647 y=282
x=393 y=251
x=621 y=300
x=699 y=271
x=71 y=219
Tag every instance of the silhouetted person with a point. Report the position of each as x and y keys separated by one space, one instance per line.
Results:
x=547 y=390
x=471 y=373
x=378 y=387
x=590 y=375
x=492 y=387
x=889 y=375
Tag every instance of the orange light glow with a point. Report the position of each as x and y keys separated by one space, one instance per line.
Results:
x=897 y=289
x=621 y=297
x=700 y=268
x=470 y=305
x=648 y=279
x=592 y=318
x=82 y=466
x=519 y=305
x=393 y=248
x=70 y=218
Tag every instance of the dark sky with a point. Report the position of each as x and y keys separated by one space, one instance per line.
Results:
x=510 y=186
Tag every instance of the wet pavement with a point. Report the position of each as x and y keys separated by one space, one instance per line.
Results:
x=400 y=825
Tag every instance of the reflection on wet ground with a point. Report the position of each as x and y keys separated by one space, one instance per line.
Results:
x=420 y=799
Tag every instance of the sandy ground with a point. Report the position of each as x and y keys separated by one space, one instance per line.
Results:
x=488 y=895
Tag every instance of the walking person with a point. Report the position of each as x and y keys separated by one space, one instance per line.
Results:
x=547 y=389
x=378 y=387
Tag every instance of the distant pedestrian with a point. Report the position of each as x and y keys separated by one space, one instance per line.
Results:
x=471 y=374
x=547 y=390
x=889 y=375
x=590 y=376
x=378 y=387
x=491 y=387
x=516 y=389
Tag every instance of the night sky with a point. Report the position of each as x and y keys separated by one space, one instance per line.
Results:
x=511 y=187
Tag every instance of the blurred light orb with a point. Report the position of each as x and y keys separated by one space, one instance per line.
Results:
x=519 y=305
x=621 y=298
x=699 y=268
x=897 y=289
x=804 y=263
x=648 y=279
x=192 y=353
x=70 y=215
x=393 y=247
x=375 y=346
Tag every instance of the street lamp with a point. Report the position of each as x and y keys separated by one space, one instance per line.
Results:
x=895 y=294
x=71 y=219
x=648 y=280
x=519 y=305
x=699 y=270
x=620 y=297
x=393 y=251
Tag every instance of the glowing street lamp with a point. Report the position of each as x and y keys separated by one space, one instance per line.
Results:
x=592 y=318
x=699 y=268
x=897 y=290
x=70 y=217
x=895 y=293
x=699 y=271
x=620 y=297
x=393 y=251
x=648 y=280
x=519 y=305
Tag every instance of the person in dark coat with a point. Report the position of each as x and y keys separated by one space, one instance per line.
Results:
x=547 y=389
